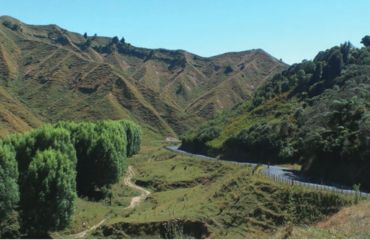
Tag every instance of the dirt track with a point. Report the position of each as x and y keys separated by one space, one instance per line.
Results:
x=134 y=201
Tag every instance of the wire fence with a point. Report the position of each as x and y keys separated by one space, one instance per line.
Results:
x=279 y=177
x=314 y=186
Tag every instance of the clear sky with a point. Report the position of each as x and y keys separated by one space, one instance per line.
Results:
x=289 y=29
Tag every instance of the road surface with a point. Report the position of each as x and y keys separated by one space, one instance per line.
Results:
x=278 y=173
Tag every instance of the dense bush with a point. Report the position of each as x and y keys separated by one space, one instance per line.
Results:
x=53 y=162
x=198 y=143
x=262 y=142
x=338 y=138
x=315 y=113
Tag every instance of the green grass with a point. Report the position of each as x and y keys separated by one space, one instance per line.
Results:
x=226 y=197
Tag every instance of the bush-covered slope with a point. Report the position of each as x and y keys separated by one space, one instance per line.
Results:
x=61 y=75
x=315 y=113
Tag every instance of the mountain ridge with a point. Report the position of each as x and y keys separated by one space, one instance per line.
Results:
x=94 y=77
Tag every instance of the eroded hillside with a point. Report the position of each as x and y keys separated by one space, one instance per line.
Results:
x=57 y=74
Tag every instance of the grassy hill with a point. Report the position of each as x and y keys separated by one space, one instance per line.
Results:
x=191 y=197
x=315 y=113
x=60 y=75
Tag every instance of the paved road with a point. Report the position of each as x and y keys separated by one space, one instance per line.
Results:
x=278 y=173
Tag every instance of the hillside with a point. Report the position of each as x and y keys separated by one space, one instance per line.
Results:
x=194 y=198
x=52 y=74
x=315 y=113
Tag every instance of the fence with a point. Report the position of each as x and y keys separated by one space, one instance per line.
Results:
x=318 y=187
x=279 y=178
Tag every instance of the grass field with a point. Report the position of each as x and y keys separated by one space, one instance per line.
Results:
x=191 y=197
x=350 y=222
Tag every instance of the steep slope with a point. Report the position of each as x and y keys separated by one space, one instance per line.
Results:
x=63 y=75
x=315 y=113
x=15 y=116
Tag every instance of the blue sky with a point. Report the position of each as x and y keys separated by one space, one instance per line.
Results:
x=289 y=29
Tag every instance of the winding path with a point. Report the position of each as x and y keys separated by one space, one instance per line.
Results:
x=278 y=173
x=143 y=192
x=134 y=201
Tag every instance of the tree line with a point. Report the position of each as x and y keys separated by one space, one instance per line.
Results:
x=43 y=171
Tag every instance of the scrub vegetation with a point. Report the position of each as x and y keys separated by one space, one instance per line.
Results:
x=315 y=113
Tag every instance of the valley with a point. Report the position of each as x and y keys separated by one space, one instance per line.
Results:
x=102 y=139
x=218 y=199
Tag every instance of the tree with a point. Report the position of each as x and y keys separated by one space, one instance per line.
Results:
x=62 y=40
x=366 y=41
x=317 y=75
x=85 y=35
x=346 y=48
x=101 y=152
x=334 y=65
x=122 y=41
x=86 y=44
x=109 y=153
x=48 y=137
x=9 y=193
x=48 y=193
x=47 y=160
x=133 y=133
x=107 y=162
x=115 y=40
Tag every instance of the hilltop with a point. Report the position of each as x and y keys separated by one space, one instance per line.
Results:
x=48 y=74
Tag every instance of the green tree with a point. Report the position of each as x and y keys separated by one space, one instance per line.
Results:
x=366 y=41
x=115 y=40
x=9 y=192
x=48 y=137
x=133 y=133
x=48 y=193
x=334 y=65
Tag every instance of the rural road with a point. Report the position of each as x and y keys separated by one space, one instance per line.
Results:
x=134 y=201
x=277 y=172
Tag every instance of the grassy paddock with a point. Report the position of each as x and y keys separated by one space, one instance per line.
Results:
x=227 y=198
